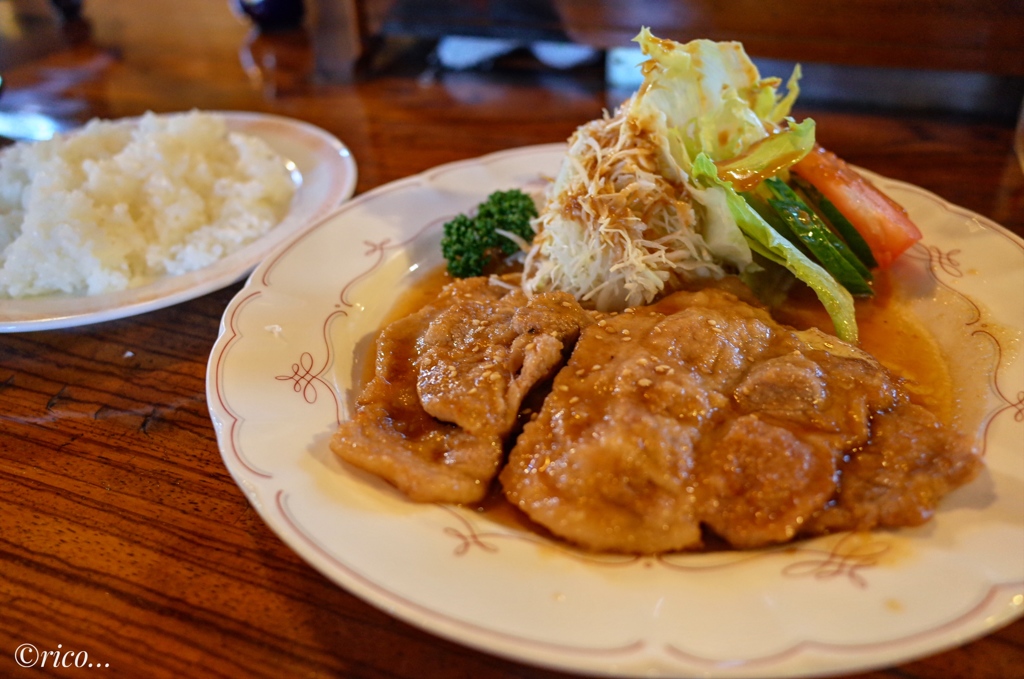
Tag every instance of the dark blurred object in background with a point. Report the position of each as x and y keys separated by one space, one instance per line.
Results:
x=278 y=61
x=963 y=35
x=30 y=29
x=521 y=20
x=273 y=15
x=956 y=56
x=70 y=10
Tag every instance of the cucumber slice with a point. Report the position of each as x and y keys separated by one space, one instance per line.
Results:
x=847 y=231
x=813 y=224
x=815 y=236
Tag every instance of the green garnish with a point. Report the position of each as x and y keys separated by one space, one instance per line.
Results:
x=500 y=224
x=847 y=231
x=830 y=250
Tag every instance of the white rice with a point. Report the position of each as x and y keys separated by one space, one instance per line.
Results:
x=118 y=203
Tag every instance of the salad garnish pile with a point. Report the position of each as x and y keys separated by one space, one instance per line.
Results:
x=700 y=174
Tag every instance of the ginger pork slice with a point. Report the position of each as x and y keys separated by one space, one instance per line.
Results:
x=702 y=414
x=447 y=387
x=478 y=360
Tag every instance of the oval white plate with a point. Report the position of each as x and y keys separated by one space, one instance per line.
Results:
x=279 y=381
x=325 y=172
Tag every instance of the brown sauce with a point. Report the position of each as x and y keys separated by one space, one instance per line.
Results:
x=889 y=330
x=425 y=289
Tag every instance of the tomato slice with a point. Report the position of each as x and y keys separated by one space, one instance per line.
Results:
x=882 y=222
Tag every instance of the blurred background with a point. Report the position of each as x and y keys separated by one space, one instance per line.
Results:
x=956 y=55
x=961 y=56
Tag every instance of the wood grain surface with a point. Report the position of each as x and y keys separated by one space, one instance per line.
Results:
x=121 y=532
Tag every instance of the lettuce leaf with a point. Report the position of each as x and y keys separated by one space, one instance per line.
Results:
x=769 y=157
x=767 y=242
x=709 y=95
x=705 y=103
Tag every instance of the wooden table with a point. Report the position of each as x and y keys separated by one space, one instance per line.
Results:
x=121 y=532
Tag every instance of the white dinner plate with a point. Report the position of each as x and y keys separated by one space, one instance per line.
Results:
x=279 y=381
x=325 y=173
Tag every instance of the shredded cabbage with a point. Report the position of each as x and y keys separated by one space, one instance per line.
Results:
x=615 y=229
x=623 y=221
x=648 y=198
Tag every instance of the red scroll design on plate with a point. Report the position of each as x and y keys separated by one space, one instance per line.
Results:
x=376 y=251
x=948 y=264
x=306 y=374
x=468 y=537
x=845 y=558
x=304 y=378
x=1015 y=402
